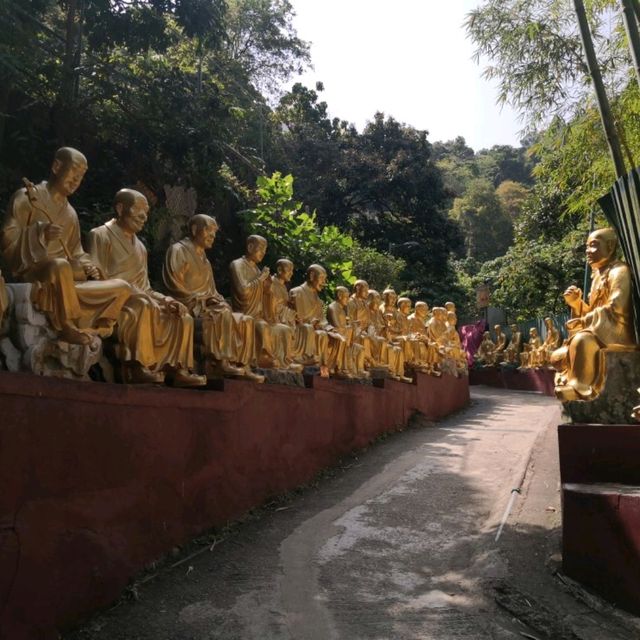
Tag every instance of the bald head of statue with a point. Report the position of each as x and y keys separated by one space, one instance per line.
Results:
x=601 y=247
x=132 y=210
x=67 y=171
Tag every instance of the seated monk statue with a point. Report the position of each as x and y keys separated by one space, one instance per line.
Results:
x=437 y=329
x=303 y=348
x=415 y=342
x=391 y=355
x=389 y=303
x=365 y=334
x=604 y=322
x=530 y=355
x=456 y=352
x=40 y=243
x=251 y=291
x=227 y=337
x=485 y=355
x=342 y=324
x=308 y=306
x=551 y=342
x=154 y=332
x=419 y=318
x=500 y=342
x=512 y=352
x=429 y=357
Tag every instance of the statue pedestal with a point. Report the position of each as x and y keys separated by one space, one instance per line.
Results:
x=601 y=509
x=618 y=397
x=30 y=344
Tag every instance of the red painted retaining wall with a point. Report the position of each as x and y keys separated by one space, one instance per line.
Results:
x=540 y=380
x=98 y=480
x=601 y=509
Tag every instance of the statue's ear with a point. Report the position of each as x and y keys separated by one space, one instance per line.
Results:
x=56 y=167
x=192 y=230
x=119 y=208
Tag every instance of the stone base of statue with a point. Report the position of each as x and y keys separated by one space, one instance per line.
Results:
x=28 y=343
x=600 y=479
x=615 y=403
x=281 y=376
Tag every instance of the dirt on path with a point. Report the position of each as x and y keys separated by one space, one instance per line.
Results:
x=399 y=543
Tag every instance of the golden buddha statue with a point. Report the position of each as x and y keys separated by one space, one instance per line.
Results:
x=437 y=329
x=456 y=352
x=500 y=342
x=331 y=345
x=419 y=318
x=604 y=322
x=227 y=337
x=415 y=350
x=486 y=351
x=154 y=332
x=303 y=347
x=512 y=352
x=354 y=363
x=365 y=334
x=551 y=342
x=389 y=304
x=530 y=354
x=251 y=290
x=40 y=243
x=391 y=354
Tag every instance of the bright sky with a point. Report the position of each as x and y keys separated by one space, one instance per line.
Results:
x=410 y=59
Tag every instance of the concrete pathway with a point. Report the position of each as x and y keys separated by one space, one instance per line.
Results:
x=397 y=544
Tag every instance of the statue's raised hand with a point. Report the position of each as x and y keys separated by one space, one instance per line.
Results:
x=573 y=295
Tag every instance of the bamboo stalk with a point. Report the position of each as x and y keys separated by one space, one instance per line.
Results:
x=603 y=103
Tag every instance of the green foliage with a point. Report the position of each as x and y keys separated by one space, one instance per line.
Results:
x=487 y=228
x=535 y=53
x=294 y=233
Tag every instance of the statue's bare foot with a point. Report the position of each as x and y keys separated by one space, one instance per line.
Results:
x=72 y=335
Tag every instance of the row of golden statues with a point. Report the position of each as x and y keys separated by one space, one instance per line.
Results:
x=106 y=292
x=603 y=322
x=536 y=353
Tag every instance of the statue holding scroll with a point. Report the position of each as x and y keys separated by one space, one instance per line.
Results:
x=155 y=332
x=40 y=243
x=227 y=337
x=604 y=322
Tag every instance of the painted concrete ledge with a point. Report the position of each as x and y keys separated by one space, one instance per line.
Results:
x=99 y=480
x=540 y=380
x=600 y=478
